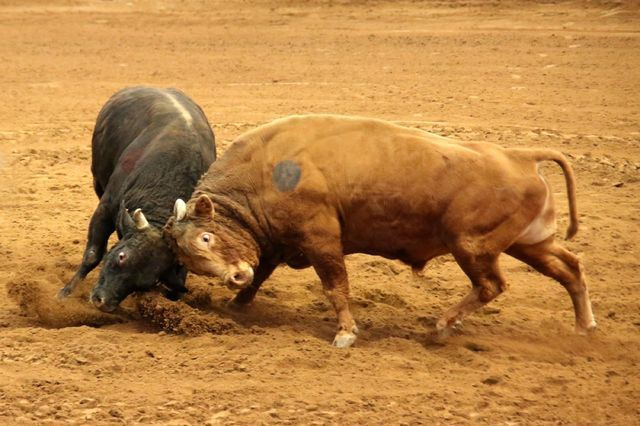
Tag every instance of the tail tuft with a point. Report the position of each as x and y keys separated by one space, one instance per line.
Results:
x=572 y=230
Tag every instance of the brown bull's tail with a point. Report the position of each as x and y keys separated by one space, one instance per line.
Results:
x=561 y=160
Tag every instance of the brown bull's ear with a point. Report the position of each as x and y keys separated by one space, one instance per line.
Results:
x=204 y=206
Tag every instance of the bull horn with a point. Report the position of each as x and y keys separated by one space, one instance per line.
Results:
x=179 y=209
x=140 y=220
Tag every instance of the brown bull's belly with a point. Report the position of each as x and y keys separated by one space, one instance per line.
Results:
x=412 y=248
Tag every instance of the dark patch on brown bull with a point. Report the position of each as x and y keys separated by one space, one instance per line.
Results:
x=286 y=175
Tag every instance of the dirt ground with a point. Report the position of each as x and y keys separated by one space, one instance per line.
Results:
x=555 y=74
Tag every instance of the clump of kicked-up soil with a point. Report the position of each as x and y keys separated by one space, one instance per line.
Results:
x=36 y=297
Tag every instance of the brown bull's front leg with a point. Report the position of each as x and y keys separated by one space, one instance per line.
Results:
x=328 y=261
x=247 y=294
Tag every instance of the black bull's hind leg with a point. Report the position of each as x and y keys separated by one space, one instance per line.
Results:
x=100 y=228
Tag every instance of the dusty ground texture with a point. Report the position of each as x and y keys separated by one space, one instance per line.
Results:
x=558 y=74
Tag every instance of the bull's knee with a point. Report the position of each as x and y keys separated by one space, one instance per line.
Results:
x=91 y=257
x=576 y=287
x=574 y=280
x=490 y=290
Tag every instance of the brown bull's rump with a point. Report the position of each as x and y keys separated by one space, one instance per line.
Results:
x=318 y=187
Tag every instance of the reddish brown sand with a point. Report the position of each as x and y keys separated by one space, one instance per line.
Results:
x=559 y=74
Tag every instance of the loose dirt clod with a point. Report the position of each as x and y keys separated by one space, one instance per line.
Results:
x=37 y=297
x=180 y=318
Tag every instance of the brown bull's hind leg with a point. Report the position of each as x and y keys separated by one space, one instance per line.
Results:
x=487 y=283
x=552 y=259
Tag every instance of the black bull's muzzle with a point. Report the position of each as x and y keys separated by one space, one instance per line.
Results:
x=106 y=298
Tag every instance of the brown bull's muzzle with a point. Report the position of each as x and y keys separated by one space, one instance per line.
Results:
x=239 y=275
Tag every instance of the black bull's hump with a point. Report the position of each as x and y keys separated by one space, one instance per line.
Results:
x=149 y=147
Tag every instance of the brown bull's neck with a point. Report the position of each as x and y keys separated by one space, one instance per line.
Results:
x=239 y=219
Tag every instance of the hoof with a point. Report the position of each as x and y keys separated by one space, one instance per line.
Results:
x=238 y=305
x=445 y=330
x=418 y=272
x=63 y=293
x=444 y=333
x=244 y=297
x=585 y=331
x=240 y=302
x=344 y=339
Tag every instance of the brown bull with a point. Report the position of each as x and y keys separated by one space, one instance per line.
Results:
x=307 y=190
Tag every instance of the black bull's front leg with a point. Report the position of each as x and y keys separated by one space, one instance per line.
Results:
x=100 y=228
x=174 y=281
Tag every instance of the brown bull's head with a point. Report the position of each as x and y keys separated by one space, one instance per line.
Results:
x=208 y=244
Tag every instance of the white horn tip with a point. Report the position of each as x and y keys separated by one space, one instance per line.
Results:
x=139 y=219
x=179 y=209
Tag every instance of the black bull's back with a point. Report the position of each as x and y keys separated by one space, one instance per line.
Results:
x=149 y=147
x=136 y=116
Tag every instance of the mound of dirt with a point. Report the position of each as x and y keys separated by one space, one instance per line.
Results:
x=198 y=297
x=388 y=298
x=37 y=297
x=180 y=318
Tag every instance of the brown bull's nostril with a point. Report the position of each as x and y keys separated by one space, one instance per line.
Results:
x=239 y=277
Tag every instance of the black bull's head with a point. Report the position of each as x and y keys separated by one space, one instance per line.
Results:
x=137 y=262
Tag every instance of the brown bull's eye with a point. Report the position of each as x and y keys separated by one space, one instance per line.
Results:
x=206 y=238
x=121 y=257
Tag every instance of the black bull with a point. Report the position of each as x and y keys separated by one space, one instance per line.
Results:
x=149 y=147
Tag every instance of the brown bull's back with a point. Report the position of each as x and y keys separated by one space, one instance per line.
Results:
x=397 y=192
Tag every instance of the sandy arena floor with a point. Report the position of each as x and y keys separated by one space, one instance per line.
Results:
x=563 y=75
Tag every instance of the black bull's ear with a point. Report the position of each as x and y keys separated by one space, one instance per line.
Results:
x=167 y=234
x=126 y=223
